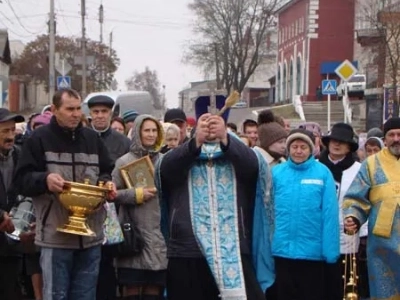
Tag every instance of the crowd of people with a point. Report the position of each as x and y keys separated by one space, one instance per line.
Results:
x=270 y=212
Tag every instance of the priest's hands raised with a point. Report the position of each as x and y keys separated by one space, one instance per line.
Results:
x=210 y=128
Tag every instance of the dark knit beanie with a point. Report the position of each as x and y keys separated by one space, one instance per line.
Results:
x=392 y=123
x=301 y=134
x=269 y=131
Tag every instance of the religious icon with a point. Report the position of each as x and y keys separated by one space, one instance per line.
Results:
x=139 y=173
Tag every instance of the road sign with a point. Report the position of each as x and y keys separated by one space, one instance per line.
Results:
x=61 y=65
x=329 y=87
x=63 y=82
x=346 y=70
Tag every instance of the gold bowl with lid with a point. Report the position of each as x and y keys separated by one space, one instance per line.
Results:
x=82 y=199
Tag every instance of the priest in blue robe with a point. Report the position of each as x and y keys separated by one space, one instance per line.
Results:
x=217 y=213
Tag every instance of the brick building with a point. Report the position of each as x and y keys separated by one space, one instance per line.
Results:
x=314 y=37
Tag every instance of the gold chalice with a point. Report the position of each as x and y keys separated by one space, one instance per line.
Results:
x=82 y=199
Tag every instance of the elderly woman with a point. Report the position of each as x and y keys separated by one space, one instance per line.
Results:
x=142 y=275
x=172 y=136
x=306 y=221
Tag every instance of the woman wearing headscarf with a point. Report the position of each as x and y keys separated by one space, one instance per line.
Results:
x=142 y=275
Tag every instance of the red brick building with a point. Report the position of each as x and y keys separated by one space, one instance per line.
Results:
x=312 y=34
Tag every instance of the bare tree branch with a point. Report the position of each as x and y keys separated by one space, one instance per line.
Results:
x=240 y=29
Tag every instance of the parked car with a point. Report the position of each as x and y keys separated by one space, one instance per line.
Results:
x=140 y=101
x=240 y=104
x=355 y=86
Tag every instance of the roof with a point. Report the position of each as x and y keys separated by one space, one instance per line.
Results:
x=285 y=6
x=5 y=53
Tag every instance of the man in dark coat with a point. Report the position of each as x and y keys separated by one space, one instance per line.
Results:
x=117 y=145
x=10 y=259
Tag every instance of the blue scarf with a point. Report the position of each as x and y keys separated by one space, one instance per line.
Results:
x=214 y=216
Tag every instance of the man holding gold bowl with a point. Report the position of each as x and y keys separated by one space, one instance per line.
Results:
x=59 y=160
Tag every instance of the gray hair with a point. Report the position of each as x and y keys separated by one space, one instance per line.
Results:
x=170 y=128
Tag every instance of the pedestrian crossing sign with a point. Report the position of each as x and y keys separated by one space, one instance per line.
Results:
x=329 y=87
x=63 y=82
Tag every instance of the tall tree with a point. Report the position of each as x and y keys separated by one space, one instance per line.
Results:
x=34 y=62
x=147 y=81
x=235 y=38
x=383 y=39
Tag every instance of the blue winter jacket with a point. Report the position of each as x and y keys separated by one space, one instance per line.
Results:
x=306 y=212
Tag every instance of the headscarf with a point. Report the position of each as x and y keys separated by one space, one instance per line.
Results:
x=137 y=147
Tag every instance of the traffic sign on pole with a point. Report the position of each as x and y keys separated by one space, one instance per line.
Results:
x=63 y=82
x=346 y=70
x=329 y=87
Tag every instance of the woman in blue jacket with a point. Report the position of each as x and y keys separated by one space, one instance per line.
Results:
x=306 y=230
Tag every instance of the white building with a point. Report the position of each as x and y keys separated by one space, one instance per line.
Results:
x=5 y=61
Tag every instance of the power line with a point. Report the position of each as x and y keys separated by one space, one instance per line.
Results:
x=159 y=24
x=18 y=19
x=13 y=31
x=143 y=18
x=65 y=21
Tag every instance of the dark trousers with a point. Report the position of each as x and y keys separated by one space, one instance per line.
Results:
x=107 y=282
x=191 y=278
x=10 y=269
x=299 y=279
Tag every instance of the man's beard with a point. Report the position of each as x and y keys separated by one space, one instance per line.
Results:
x=395 y=149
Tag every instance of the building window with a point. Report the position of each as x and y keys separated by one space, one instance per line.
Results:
x=284 y=80
x=290 y=81
x=298 y=76
x=278 y=84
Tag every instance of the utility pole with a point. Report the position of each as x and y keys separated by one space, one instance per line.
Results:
x=84 y=67
x=52 y=50
x=111 y=42
x=101 y=21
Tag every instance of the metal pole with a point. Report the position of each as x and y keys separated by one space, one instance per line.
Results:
x=346 y=94
x=101 y=21
x=329 y=107
x=111 y=41
x=84 y=67
x=52 y=46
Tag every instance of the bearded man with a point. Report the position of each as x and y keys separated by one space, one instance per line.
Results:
x=374 y=196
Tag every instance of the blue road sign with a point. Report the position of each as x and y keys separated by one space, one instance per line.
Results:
x=63 y=82
x=329 y=87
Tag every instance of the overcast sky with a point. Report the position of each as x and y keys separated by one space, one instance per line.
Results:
x=145 y=33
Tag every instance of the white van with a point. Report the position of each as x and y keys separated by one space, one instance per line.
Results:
x=142 y=102
x=355 y=86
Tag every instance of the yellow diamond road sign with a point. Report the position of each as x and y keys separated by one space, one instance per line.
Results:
x=346 y=70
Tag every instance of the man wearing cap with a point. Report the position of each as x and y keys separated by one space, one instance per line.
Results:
x=178 y=117
x=374 y=196
x=339 y=158
x=101 y=113
x=129 y=118
x=9 y=154
x=117 y=145
x=213 y=207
